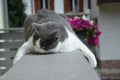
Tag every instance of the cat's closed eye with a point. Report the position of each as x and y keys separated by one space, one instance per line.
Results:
x=49 y=43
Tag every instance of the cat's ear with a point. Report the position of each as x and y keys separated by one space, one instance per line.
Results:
x=54 y=34
x=37 y=27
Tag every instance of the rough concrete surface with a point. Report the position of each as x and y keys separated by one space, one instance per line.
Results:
x=57 y=66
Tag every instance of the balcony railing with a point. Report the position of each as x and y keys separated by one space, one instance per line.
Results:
x=10 y=41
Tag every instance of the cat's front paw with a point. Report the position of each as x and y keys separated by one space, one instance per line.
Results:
x=14 y=61
x=18 y=56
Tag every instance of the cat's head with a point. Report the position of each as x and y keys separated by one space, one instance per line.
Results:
x=47 y=35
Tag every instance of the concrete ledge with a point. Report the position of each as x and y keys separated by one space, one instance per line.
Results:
x=59 y=66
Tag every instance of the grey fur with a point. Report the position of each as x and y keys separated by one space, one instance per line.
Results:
x=50 y=34
x=45 y=16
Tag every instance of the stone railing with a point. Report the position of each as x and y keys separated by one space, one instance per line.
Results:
x=57 y=66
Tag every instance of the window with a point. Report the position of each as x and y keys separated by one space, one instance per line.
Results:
x=46 y=4
x=63 y=6
x=73 y=5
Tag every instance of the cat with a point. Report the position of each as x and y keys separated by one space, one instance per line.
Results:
x=48 y=31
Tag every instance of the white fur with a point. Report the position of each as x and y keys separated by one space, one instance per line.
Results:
x=25 y=48
x=70 y=44
x=73 y=43
x=38 y=48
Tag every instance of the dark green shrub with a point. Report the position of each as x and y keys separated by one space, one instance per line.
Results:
x=16 y=13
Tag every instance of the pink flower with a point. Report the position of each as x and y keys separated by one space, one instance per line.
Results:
x=83 y=25
x=90 y=40
x=89 y=30
x=96 y=26
x=75 y=27
x=87 y=23
x=96 y=40
x=99 y=33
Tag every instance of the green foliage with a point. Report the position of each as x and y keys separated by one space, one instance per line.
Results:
x=16 y=13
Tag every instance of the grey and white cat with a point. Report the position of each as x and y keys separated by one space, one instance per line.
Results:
x=47 y=31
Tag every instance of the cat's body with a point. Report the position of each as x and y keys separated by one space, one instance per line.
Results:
x=50 y=32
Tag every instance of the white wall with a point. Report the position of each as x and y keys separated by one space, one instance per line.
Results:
x=85 y=6
x=1 y=14
x=59 y=6
x=109 y=23
x=3 y=18
x=28 y=6
x=94 y=8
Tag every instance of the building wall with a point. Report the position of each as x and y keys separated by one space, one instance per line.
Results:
x=109 y=23
x=28 y=6
x=58 y=6
x=1 y=14
x=94 y=8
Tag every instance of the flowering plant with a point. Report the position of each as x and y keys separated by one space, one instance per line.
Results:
x=89 y=29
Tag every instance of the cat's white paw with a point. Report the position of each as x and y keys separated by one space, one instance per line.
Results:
x=14 y=61
x=18 y=56
x=93 y=63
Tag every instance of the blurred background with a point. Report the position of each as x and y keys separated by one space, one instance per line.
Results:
x=106 y=12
